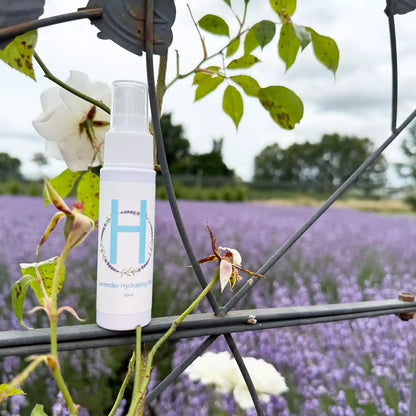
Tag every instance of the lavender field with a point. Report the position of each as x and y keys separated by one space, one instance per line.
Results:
x=360 y=367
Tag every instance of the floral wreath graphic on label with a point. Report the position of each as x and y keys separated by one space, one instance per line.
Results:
x=131 y=271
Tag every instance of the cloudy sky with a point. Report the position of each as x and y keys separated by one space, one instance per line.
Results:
x=354 y=102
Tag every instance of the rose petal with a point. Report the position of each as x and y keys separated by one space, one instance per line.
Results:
x=75 y=104
x=236 y=255
x=50 y=99
x=56 y=124
x=225 y=273
x=78 y=152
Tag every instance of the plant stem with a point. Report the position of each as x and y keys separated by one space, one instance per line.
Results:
x=53 y=318
x=48 y=74
x=138 y=358
x=139 y=396
x=54 y=300
x=120 y=395
x=21 y=377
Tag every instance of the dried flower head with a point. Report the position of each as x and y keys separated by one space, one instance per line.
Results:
x=229 y=263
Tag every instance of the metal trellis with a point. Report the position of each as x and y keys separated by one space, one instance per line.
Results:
x=224 y=320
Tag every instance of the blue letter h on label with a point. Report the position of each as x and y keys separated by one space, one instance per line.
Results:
x=116 y=228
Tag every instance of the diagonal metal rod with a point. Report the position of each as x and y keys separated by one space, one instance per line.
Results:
x=172 y=199
x=165 y=168
x=177 y=371
x=394 y=67
x=324 y=207
x=20 y=28
x=244 y=372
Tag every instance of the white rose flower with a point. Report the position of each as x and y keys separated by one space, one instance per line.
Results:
x=220 y=370
x=74 y=128
x=212 y=368
x=266 y=379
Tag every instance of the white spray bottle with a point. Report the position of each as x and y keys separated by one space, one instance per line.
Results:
x=126 y=213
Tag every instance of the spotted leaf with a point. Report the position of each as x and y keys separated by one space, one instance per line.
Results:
x=19 y=53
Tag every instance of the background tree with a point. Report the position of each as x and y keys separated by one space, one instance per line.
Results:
x=320 y=166
x=40 y=160
x=183 y=162
x=9 y=167
x=408 y=169
x=176 y=145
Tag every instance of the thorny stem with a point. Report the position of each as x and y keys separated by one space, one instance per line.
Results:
x=138 y=399
x=120 y=395
x=53 y=318
x=160 y=93
x=65 y=86
x=21 y=377
x=138 y=369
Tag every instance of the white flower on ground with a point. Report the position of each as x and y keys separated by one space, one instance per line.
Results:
x=74 y=128
x=266 y=379
x=212 y=368
x=222 y=371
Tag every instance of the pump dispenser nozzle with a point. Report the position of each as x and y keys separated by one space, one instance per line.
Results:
x=128 y=142
x=129 y=106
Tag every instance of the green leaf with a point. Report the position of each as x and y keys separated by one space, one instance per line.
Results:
x=325 y=49
x=19 y=53
x=207 y=86
x=19 y=290
x=284 y=106
x=288 y=45
x=46 y=270
x=265 y=31
x=245 y=61
x=250 y=41
x=214 y=24
x=248 y=84
x=391 y=395
x=228 y=2
x=232 y=104
x=63 y=184
x=38 y=411
x=12 y=391
x=370 y=409
x=88 y=192
x=202 y=76
x=233 y=47
x=303 y=35
x=287 y=7
x=351 y=398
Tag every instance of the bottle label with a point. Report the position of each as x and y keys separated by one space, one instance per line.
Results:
x=125 y=247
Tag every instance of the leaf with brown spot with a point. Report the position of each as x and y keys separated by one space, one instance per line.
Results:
x=46 y=270
x=284 y=106
x=19 y=53
x=88 y=192
x=63 y=183
x=19 y=290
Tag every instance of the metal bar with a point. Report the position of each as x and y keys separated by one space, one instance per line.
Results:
x=394 y=67
x=321 y=210
x=92 y=336
x=167 y=180
x=245 y=374
x=176 y=372
x=412 y=404
x=15 y=30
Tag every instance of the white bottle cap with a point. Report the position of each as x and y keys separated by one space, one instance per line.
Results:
x=129 y=106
